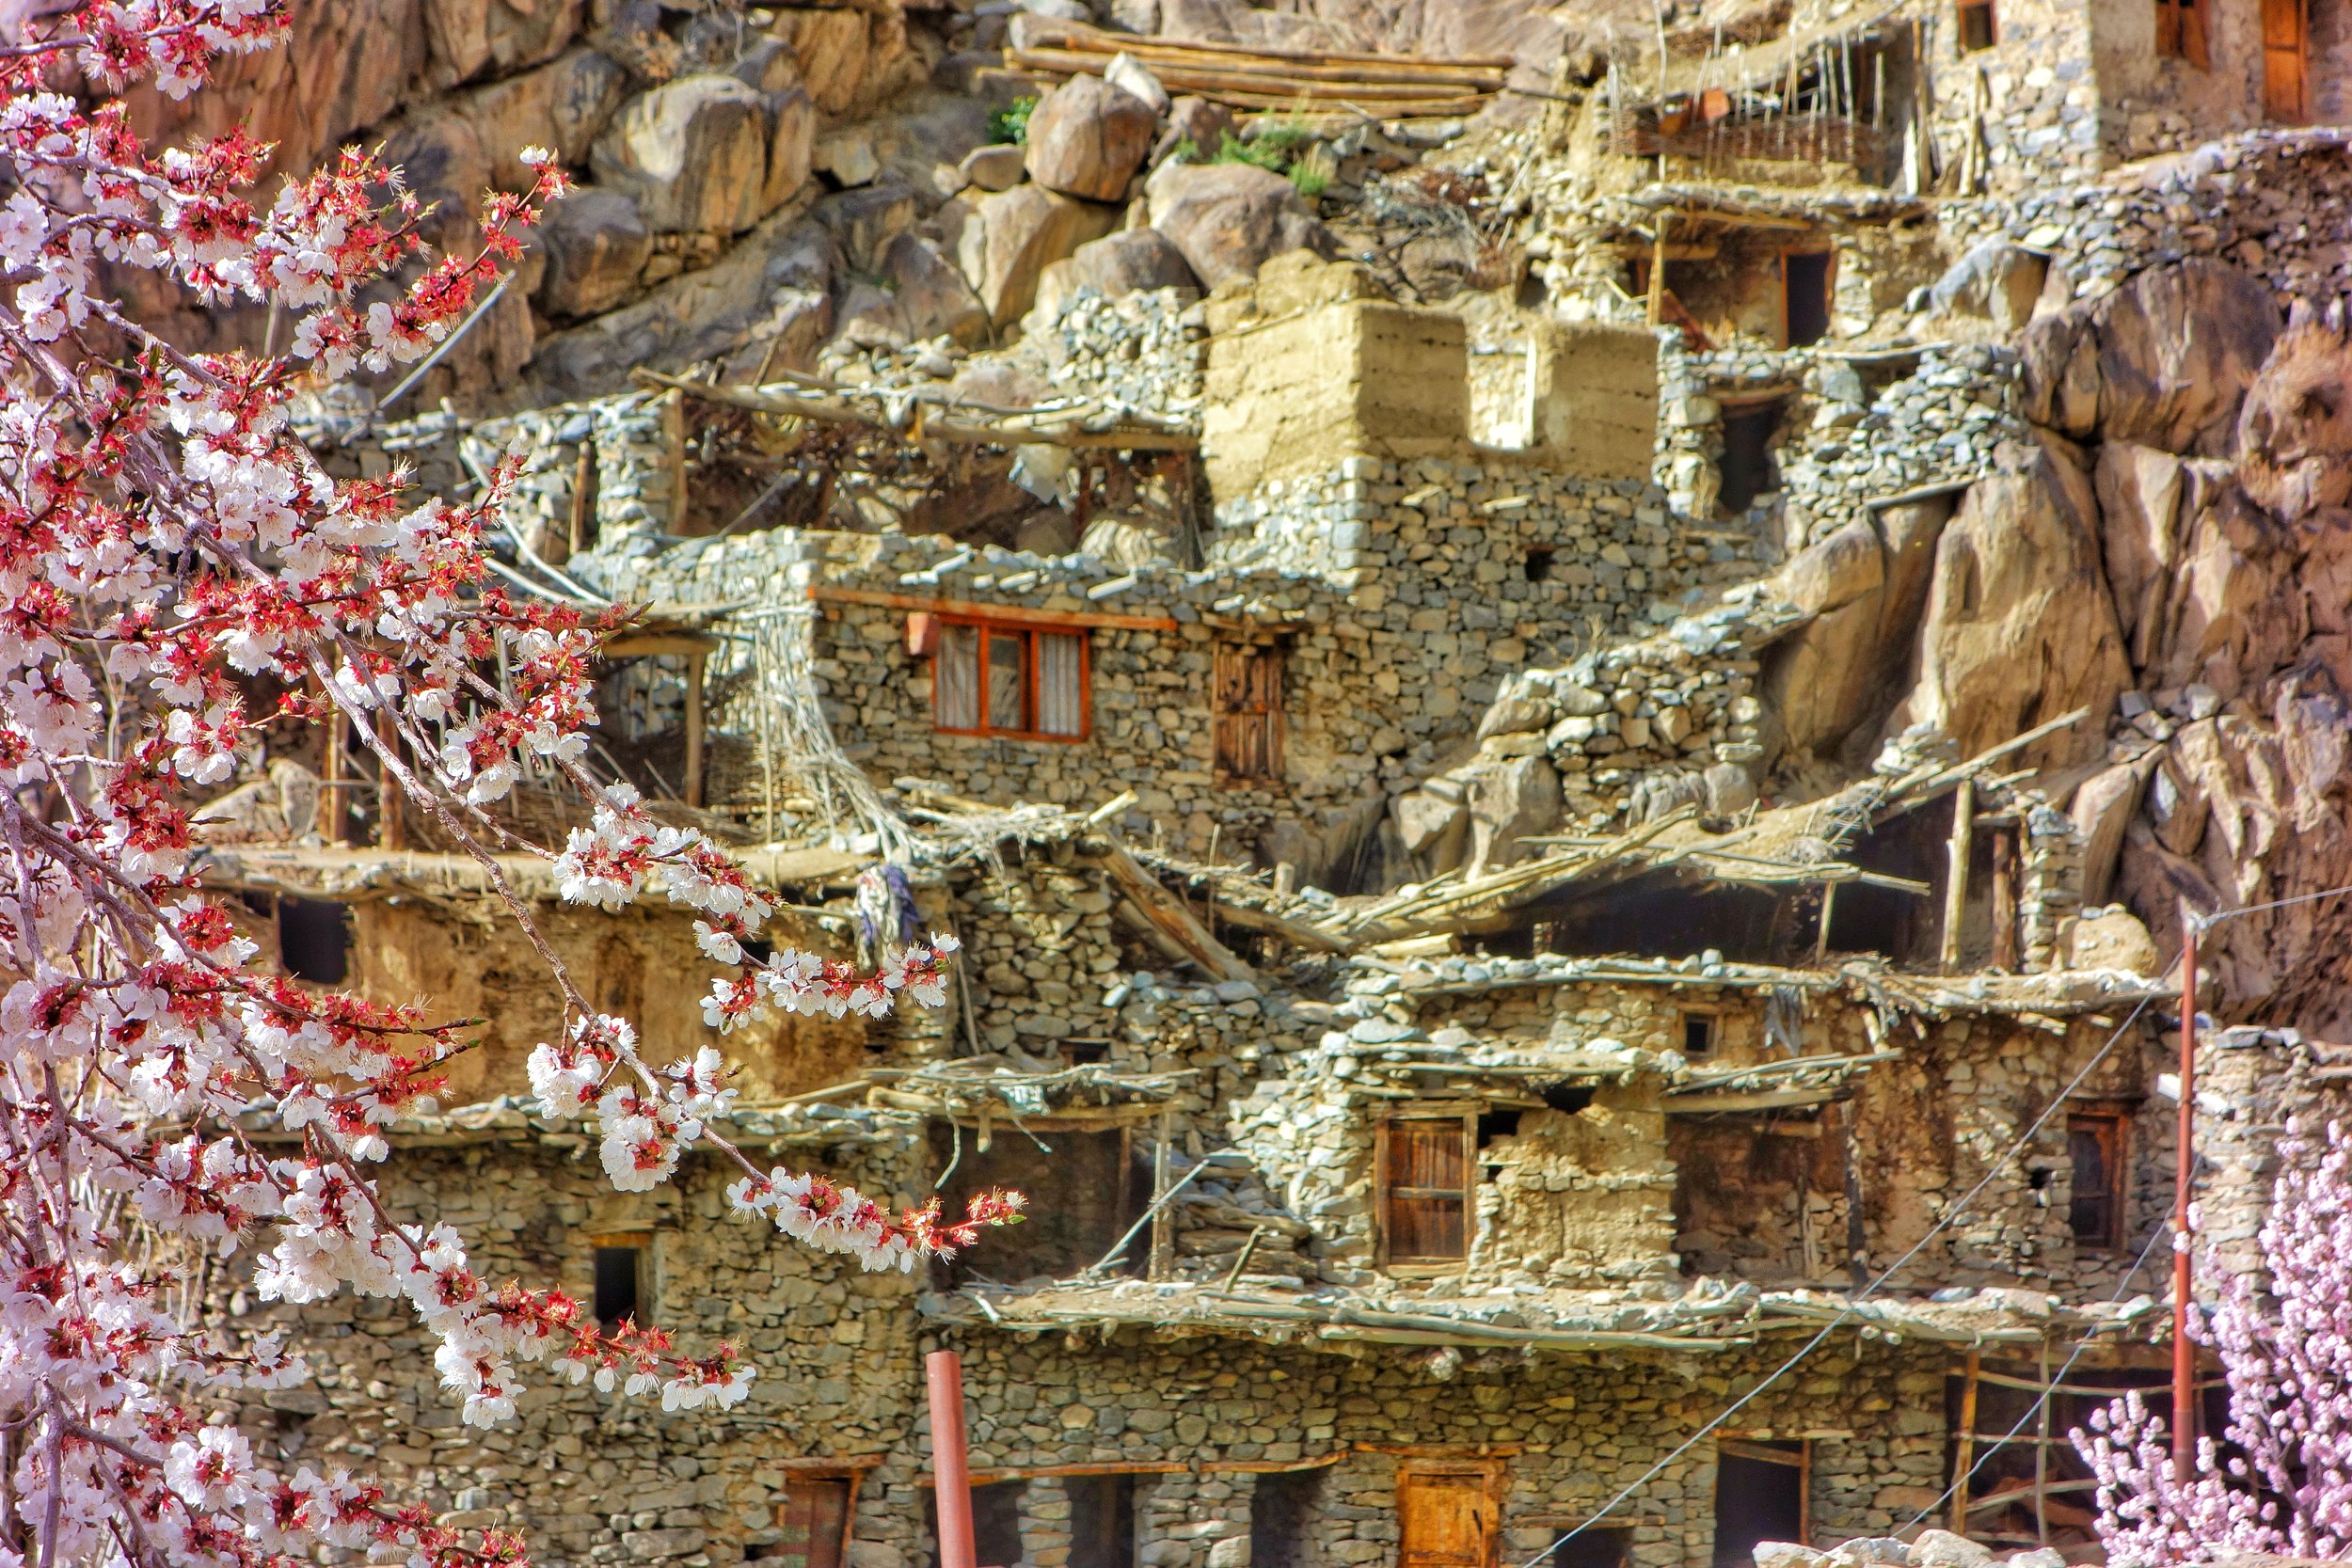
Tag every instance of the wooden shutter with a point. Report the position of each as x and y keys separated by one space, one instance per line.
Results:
x=2168 y=29
x=1446 y=1518
x=956 y=680
x=1425 y=1188
x=2095 y=1146
x=2285 y=38
x=2195 y=31
x=1248 y=710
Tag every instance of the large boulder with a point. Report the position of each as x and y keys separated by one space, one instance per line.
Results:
x=1086 y=139
x=2163 y=360
x=1995 y=283
x=931 y=296
x=2295 y=431
x=1866 y=585
x=1117 y=264
x=2019 y=628
x=562 y=106
x=791 y=146
x=596 y=245
x=1006 y=241
x=1509 y=803
x=1227 y=219
x=472 y=37
x=692 y=154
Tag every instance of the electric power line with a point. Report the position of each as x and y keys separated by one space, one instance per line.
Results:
x=1846 y=1314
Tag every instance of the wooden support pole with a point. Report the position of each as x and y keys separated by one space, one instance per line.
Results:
x=2005 y=898
x=1829 y=907
x=583 y=482
x=1956 y=870
x=391 y=830
x=942 y=1371
x=1965 y=1450
x=2041 y=1453
x=694 y=667
x=1658 y=271
x=1163 y=1219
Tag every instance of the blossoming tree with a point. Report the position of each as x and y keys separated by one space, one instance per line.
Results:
x=2284 y=1483
x=164 y=544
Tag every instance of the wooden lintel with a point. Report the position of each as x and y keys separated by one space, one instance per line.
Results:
x=1765 y=1100
x=973 y=610
x=654 y=644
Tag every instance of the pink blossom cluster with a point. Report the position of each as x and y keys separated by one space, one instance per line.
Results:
x=166 y=550
x=2277 y=1480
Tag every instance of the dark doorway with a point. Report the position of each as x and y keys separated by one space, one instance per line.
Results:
x=313 y=939
x=1281 y=1514
x=995 y=1523
x=1093 y=1196
x=1746 y=465
x=1599 y=1547
x=620 y=1287
x=1804 y=283
x=1759 y=1496
x=1102 y=1521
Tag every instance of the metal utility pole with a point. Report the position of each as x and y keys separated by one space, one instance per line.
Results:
x=2184 y=1147
x=951 y=1476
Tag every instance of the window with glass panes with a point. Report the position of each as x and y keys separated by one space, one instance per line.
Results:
x=1001 y=677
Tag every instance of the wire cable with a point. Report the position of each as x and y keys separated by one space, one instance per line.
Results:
x=1846 y=1314
x=2156 y=1233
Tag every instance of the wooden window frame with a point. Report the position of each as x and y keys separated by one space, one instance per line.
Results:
x=1991 y=25
x=1468 y=1118
x=1029 y=631
x=2185 y=32
x=1277 y=715
x=2116 y=1116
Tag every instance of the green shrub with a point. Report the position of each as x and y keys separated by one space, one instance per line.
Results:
x=1313 y=173
x=1011 y=124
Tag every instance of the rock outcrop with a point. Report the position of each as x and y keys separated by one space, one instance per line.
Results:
x=1227 y=220
x=1088 y=137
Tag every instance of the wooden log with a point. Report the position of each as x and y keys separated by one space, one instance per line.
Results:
x=1283 y=72
x=1166 y=912
x=829 y=411
x=1267 y=923
x=695 y=663
x=1095 y=41
x=1956 y=871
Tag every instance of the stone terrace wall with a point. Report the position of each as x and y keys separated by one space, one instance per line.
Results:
x=2273 y=202
x=1571 y=1430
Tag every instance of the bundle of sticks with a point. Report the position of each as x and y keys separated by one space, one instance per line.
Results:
x=1385 y=87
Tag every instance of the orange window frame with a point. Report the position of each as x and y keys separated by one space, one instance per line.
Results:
x=987 y=628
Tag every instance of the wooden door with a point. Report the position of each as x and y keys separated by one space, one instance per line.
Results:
x=2285 y=34
x=1248 y=710
x=1446 y=1518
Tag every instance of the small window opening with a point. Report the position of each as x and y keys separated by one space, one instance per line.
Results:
x=620 y=1294
x=1283 y=1511
x=812 y=1524
x=1085 y=1052
x=1759 y=1495
x=1426 y=1207
x=1699 y=1031
x=1746 y=465
x=2095 y=1147
x=993 y=678
x=1496 y=1124
x=1567 y=1099
x=755 y=950
x=1976 y=31
x=1103 y=1521
x=314 y=940
x=1538 y=564
x=1805 y=285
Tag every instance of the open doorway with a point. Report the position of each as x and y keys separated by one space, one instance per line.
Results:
x=1746 y=465
x=1760 y=1495
x=1804 y=277
x=1283 y=1512
x=1103 y=1521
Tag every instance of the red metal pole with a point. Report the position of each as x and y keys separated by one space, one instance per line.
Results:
x=2184 y=1145
x=951 y=1477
